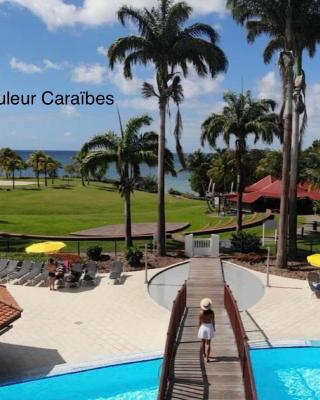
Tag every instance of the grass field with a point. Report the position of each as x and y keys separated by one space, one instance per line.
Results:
x=60 y=209
x=63 y=208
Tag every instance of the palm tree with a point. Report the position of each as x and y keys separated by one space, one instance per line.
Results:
x=45 y=162
x=292 y=25
x=241 y=117
x=222 y=169
x=270 y=164
x=128 y=151
x=52 y=167
x=165 y=42
x=10 y=161
x=198 y=164
x=35 y=161
x=81 y=167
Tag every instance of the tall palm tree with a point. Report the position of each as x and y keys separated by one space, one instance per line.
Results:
x=241 y=117
x=292 y=25
x=165 y=42
x=128 y=151
x=10 y=161
x=35 y=161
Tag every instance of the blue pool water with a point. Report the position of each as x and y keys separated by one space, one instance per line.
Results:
x=133 y=381
x=287 y=373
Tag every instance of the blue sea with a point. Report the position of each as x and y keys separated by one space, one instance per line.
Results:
x=180 y=183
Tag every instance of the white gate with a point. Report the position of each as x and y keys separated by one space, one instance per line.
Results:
x=202 y=247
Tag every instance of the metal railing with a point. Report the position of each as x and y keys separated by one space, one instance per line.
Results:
x=242 y=343
x=177 y=312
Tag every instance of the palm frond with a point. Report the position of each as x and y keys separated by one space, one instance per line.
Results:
x=148 y=90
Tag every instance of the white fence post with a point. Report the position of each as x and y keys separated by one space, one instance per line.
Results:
x=215 y=244
x=188 y=243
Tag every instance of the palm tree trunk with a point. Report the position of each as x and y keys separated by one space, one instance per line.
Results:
x=239 y=194
x=161 y=231
x=294 y=173
x=38 y=179
x=45 y=177
x=293 y=184
x=282 y=256
x=127 y=213
x=13 y=179
x=82 y=180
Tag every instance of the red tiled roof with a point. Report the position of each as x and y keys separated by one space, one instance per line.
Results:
x=9 y=308
x=264 y=182
x=270 y=187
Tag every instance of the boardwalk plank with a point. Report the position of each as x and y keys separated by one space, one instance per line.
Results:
x=191 y=376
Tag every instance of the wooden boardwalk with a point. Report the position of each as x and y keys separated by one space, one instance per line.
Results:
x=192 y=377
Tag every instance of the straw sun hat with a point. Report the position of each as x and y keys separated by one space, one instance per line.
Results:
x=205 y=304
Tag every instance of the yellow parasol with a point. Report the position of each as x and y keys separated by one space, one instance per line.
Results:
x=45 y=247
x=314 y=260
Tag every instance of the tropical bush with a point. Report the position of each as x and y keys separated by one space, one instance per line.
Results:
x=133 y=255
x=149 y=184
x=245 y=242
x=94 y=252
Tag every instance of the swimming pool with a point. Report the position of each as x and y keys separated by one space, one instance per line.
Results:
x=291 y=373
x=132 y=381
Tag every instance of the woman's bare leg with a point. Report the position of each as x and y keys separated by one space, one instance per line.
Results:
x=203 y=347
x=208 y=343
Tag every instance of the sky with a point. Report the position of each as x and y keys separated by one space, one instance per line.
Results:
x=60 y=46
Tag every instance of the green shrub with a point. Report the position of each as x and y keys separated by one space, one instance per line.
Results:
x=245 y=242
x=133 y=255
x=94 y=252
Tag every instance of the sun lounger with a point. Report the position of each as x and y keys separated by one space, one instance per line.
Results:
x=115 y=273
x=314 y=283
x=41 y=279
x=11 y=267
x=3 y=264
x=24 y=269
x=90 y=275
x=35 y=270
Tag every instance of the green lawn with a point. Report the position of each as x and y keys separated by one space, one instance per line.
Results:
x=61 y=209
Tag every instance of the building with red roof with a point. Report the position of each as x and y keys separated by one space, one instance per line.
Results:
x=266 y=194
x=9 y=309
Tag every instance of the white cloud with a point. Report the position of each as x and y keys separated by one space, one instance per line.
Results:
x=29 y=68
x=269 y=87
x=68 y=134
x=24 y=67
x=125 y=86
x=194 y=86
x=103 y=51
x=89 y=73
x=51 y=65
x=59 y=13
x=70 y=111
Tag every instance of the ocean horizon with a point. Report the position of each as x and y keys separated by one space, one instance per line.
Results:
x=180 y=182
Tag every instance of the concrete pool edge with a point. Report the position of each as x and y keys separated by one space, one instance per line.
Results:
x=65 y=369
x=167 y=269
x=289 y=343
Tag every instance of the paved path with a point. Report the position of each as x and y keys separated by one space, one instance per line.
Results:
x=74 y=326
x=287 y=313
x=221 y=378
x=146 y=229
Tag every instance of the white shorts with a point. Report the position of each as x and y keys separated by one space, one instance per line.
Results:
x=206 y=331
